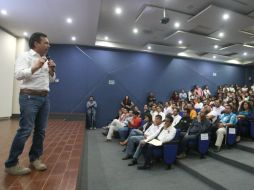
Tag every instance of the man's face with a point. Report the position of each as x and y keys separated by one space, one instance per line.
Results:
x=227 y=109
x=42 y=47
x=157 y=121
x=217 y=103
x=175 y=112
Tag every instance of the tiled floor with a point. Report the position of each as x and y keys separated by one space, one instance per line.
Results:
x=62 y=152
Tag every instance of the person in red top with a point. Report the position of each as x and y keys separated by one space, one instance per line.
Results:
x=134 y=123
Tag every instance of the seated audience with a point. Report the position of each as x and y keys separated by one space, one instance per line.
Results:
x=141 y=130
x=164 y=135
x=116 y=124
x=243 y=116
x=200 y=125
x=227 y=119
x=132 y=123
x=127 y=103
x=135 y=140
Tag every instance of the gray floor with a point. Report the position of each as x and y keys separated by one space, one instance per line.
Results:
x=106 y=170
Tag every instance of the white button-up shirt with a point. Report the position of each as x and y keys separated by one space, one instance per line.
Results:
x=23 y=72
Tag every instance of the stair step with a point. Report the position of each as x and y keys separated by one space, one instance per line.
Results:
x=236 y=157
x=217 y=174
x=246 y=146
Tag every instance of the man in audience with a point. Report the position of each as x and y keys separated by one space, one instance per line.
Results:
x=116 y=124
x=134 y=140
x=228 y=119
x=184 y=123
x=200 y=125
x=216 y=111
x=176 y=117
x=165 y=134
x=154 y=112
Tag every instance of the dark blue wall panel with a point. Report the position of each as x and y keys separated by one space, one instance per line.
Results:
x=85 y=71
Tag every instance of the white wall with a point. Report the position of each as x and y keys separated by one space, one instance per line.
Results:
x=22 y=46
x=7 y=61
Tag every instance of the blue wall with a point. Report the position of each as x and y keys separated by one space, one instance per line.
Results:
x=85 y=71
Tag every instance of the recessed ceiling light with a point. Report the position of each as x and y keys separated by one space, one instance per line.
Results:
x=118 y=10
x=69 y=20
x=106 y=38
x=225 y=16
x=177 y=25
x=149 y=47
x=216 y=46
x=245 y=53
x=135 y=30
x=73 y=38
x=25 y=33
x=3 y=12
x=214 y=57
x=180 y=41
x=221 y=34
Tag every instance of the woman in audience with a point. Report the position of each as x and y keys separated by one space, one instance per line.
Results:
x=243 y=116
x=127 y=103
x=175 y=96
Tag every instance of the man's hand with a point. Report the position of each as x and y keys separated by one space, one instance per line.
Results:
x=52 y=67
x=38 y=64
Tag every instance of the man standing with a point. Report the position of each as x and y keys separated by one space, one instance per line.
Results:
x=35 y=71
x=91 y=106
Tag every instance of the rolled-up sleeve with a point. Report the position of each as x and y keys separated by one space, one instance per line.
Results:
x=22 y=69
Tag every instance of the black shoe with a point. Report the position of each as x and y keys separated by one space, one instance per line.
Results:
x=127 y=157
x=144 y=167
x=105 y=133
x=217 y=149
x=133 y=162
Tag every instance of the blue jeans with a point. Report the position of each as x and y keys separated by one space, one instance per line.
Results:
x=34 y=112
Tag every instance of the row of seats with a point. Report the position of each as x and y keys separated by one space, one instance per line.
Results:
x=169 y=150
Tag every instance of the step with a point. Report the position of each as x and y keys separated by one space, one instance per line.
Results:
x=235 y=157
x=246 y=146
x=217 y=174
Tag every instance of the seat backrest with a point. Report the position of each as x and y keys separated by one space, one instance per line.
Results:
x=231 y=135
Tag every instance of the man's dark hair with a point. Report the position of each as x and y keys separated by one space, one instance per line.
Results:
x=136 y=113
x=158 y=117
x=170 y=118
x=36 y=37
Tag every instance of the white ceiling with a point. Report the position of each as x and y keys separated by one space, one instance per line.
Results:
x=201 y=22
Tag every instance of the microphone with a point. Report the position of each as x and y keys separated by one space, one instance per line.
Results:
x=47 y=56
x=48 y=59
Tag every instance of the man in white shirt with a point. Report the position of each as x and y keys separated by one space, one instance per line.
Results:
x=35 y=71
x=134 y=140
x=164 y=134
x=216 y=111
x=176 y=117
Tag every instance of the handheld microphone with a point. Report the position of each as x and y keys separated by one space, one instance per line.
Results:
x=48 y=57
